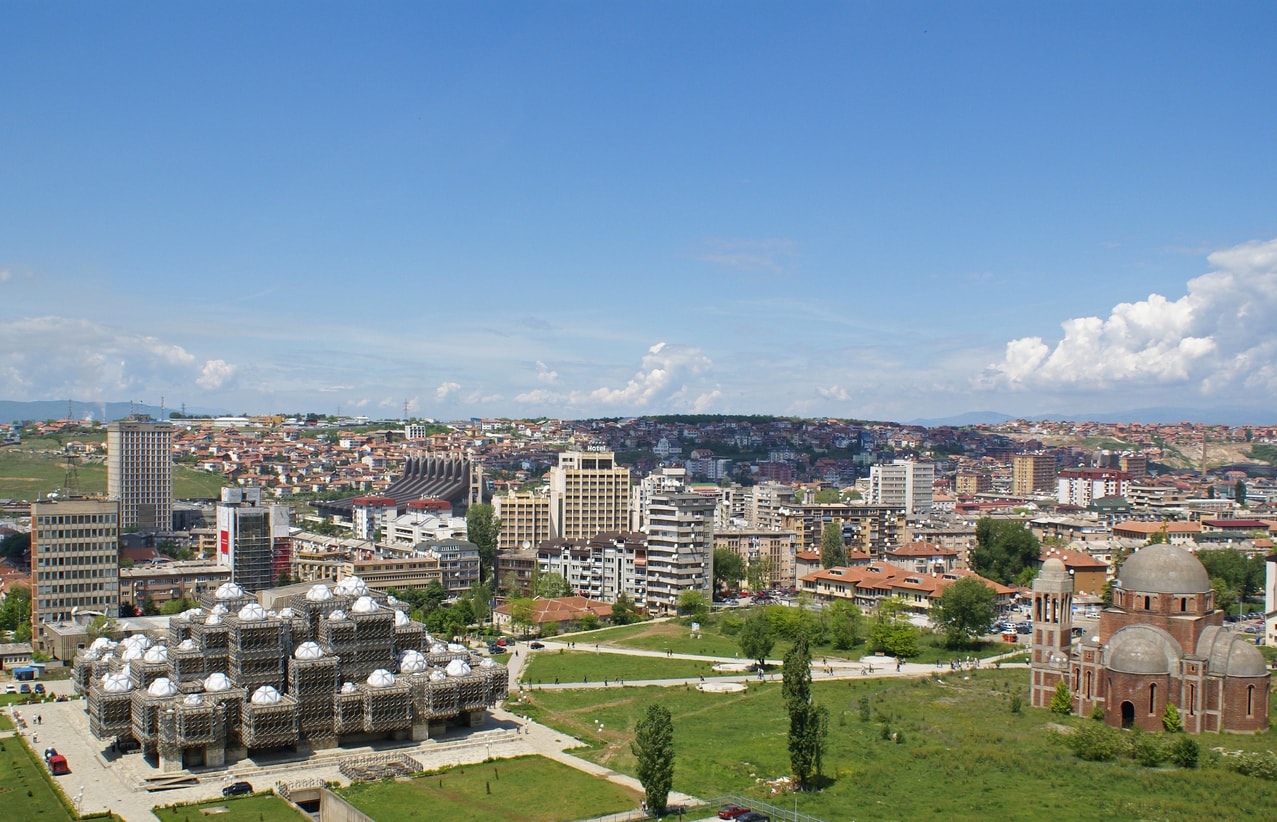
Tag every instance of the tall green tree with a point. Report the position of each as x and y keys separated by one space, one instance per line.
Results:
x=755 y=638
x=623 y=610
x=693 y=603
x=808 y=722
x=1003 y=549
x=833 y=552
x=729 y=569
x=1239 y=493
x=892 y=632
x=552 y=585
x=16 y=611
x=796 y=675
x=965 y=610
x=758 y=574
x=483 y=527
x=480 y=598
x=653 y=747
x=14 y=546
x=846 y=624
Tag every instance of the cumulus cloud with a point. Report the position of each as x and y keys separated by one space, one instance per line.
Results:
x=664 y=375
x=215 y=374
x=1218 y=337
x=63 y=357
x=544 y=374
x=770 y=256
x=834 y=392
x=446 y=389
x=5 y=275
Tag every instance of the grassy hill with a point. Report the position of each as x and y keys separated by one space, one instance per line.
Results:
x=29 y=473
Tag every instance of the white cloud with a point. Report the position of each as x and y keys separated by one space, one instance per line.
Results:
x=834 y=392
x=544 y=374
x=1218 y=337
x=446 y=389
x=5 y=275
x=664 y=376
x=771 y=256
x=215 y=374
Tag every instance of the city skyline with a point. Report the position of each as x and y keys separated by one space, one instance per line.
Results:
x=891 y=212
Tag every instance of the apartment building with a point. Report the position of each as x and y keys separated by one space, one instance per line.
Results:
x=74 y=562
x=139 y=472
x=601 y=568
x=525 y=519
x=871 y=529
x=756 y=545
x=168 y=581
x=1032 y=473
x=660 y=481
x=1082 y=486
x=680 y=548
x=902 y=484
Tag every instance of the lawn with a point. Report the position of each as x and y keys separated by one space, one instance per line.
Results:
x=24 y=791
x=527 y=788
x=261 y=807
x=963 y=754
x=27 y=475
x=545 y=667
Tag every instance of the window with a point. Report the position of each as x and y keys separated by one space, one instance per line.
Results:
x=1152 y=699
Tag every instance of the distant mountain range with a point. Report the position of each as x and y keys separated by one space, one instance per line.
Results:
x=98 y=411
x=1157 y=415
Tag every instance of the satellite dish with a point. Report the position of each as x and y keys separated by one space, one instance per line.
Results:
x=526 y=545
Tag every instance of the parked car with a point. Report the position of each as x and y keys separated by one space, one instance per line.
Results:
x=754 y=816
x=58 y=765
x=24 y=688
x=732 y=811
x=237 y=789
x=536 y=646
x=38 y=687
x=503 y=642
x=11 y=688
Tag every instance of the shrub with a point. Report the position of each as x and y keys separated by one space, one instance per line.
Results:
x=1097 y=713
x=1096 y=742
x=1184 y=751
x=1146 y=749
x=1262 y=764
x=864 y=709
x=1062 y=702
x=1016 y=704
x=1170 y=719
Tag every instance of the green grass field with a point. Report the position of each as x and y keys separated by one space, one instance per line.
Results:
x=27 y=475
x=262 y=807
x=573 y=666
x=964 y=754
x=528 y=788
x=24 y=791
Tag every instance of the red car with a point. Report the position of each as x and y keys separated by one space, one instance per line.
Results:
x=732 y=811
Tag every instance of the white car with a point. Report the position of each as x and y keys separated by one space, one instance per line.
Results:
x=11 y=688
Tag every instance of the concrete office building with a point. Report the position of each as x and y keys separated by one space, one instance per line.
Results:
x=902 y=484
x=589 y=494
x=1031 y=473
x=139 y=472
x=74 y=563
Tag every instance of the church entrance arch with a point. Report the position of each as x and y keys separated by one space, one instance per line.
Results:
x=1128 y=715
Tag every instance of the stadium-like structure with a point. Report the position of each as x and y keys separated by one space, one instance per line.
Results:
x=339 y=664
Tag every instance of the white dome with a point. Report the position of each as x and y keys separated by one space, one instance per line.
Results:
x=193 y=699
x=319 y=593
x=401 y=619
x=381 y=678
x=252 y=612
x=163 y=687
x=352 y=587
x=92 y=654
x=216 y=683
x=437 y=675
x=266 y=695
x=338 y=614
x=157 y=653
x=220 y=610
x=391 y=599
x=213 y=619
x=131 y=653
x=457 y=668
x=412 y=662
x=139 y=641
x=456 y=648
x=308 y=650
x=364 y=605
x=187 y=645
x=348 y=687
x=438 y=648
x=486 y=662
x=116 y=683
x=229 y=590
x=100 y=644
x=192 y=613
x=286 y=613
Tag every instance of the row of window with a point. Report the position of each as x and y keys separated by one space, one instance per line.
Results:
x=75 y=519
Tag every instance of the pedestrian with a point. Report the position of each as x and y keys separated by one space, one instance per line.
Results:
x=587 y=679
x=556 y=680
x=605 y=683
x=39 y=720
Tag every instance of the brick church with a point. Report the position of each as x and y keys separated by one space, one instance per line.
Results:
x=1161 y=642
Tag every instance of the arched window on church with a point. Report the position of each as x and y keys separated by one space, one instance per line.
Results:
x=1152 y=698
x=1250 y=700
x=1147 y=600
x=1088 y=684
x=1192 y=700
x=1183 y=604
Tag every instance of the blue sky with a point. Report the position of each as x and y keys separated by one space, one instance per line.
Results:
x=882 y=210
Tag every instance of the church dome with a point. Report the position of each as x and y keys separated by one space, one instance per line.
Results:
x=1140 y=649
x=1245 y=659
x=1053 y=568
x=1163 y=569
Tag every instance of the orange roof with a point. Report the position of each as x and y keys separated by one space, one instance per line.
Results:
x=1074 y=560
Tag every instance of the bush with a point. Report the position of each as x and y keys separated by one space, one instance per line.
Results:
x=1097 y=713
x=1097 y=742
x=1170 y=719
x=864 y=709
x=1016 y=704
x=1146 y=749
x=1184 y=751
x=1262 y=764
x=1062 y=702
